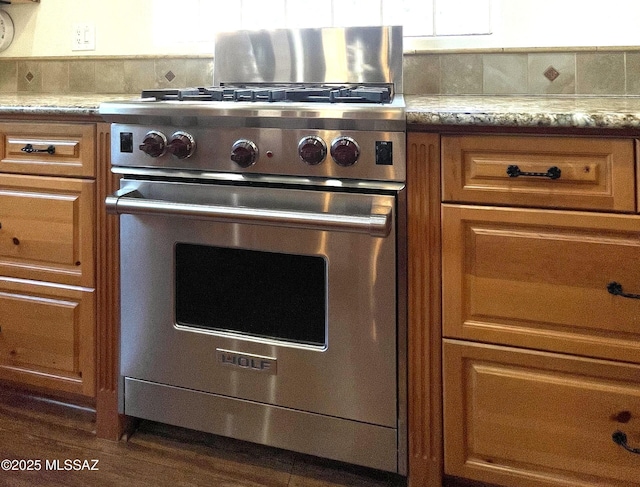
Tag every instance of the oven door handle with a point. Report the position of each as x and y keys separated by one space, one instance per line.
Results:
x=376 y=224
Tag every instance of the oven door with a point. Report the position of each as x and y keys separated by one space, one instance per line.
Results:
x=277 y=296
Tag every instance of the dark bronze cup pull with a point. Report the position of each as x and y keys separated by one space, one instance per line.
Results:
x=553 y=172
x=620 y=438
x=30 y=149
x=615 y=288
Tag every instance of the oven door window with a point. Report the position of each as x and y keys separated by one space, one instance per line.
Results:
x=252 y=293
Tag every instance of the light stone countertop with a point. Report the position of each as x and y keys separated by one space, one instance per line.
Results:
x=52 y=104
x=461 y=110
x=602 y=112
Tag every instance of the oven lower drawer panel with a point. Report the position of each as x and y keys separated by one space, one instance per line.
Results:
x=314 y=434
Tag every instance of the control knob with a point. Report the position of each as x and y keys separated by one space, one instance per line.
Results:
x=181 y=145
x=312 y=150
x=345 y=151
x=244 y=153
x=154 y=144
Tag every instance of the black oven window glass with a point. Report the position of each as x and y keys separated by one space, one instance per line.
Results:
x=261 y=294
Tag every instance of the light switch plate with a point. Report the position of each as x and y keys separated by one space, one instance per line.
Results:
x=83 y=36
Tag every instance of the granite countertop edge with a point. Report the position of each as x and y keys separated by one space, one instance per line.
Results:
x=561 y=111
x=55 y=105
x=602 y=112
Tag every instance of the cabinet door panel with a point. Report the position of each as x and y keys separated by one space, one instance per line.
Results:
x=594 y=173
x=539 y=279
x=46 y=229
x=526 y=419
x=47 y=335
x=61 y=149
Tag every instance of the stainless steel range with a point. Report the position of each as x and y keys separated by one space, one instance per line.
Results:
x=262 y=229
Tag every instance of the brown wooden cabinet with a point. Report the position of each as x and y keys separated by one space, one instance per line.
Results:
x=571 y=172
x=541 y=352
x=539 y=279
x=47 y=229
x=48 y=255
x=527 y=418
x=60 y=149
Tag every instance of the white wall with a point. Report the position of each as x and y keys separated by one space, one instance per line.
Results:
x=549 y=23
x=152 y=27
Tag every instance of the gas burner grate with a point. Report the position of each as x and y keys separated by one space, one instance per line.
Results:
x=293 y=94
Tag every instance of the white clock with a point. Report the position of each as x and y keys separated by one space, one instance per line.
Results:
x=6 y=30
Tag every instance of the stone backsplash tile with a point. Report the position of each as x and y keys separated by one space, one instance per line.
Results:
x=82 y=76
x=535 y=72
x=30 y=76
x=505 y=74
x=110 y=76
x=542 y=82
x=55 y=76
x=633 y=73
x=200 y=72
x=98 y=75
x=600 y=73
x=8 y=76
x=461 y=74
x=421 y=74
x=171 y=73
x=139 y=74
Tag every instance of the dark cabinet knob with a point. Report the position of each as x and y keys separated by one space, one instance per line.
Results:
x=312 y=150
x=345 y=151
x=244 y=153
x=154 y=144
x=181 y=145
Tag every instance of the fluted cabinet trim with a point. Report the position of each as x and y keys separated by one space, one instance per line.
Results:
x=425 y=385
x=109 y=424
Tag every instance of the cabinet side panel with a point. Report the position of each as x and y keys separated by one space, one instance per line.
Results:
x=109 y=424
x=425 y=414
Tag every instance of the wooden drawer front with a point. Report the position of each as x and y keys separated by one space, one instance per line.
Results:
x=46 y=229
x=595 y=174
x=526 y=419
x=539 y=279
x=46 y=335
x=73 y=149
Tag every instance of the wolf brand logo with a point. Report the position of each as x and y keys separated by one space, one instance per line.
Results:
x=246 y=361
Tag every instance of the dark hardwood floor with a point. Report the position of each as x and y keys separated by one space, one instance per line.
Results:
x=155 y=455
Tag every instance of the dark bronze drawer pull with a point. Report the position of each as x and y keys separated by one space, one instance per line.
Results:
x=553 y=172
x=620 y=438
x=30 y=149
x=615 y=288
